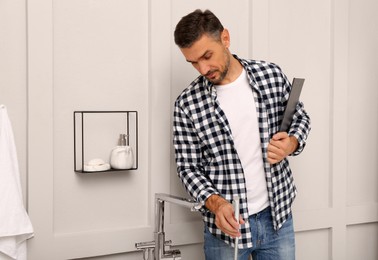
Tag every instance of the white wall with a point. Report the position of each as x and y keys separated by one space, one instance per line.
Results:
x=60 y=56
x=13 y=85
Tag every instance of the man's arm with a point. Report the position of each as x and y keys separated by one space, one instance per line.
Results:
x=189 y=157
x=283 y=144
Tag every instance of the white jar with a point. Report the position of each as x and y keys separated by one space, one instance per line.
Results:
x=121 y=157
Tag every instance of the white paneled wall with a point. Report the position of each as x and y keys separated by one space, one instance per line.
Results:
x=362 y=129
x=96 y=69
x=313 y=244
x=363 y=105
x=60 y=56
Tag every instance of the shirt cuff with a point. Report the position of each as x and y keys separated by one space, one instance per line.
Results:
x=204 y=195
x=301 y=143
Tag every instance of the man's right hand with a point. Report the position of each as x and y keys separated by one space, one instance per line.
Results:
x=224 y=215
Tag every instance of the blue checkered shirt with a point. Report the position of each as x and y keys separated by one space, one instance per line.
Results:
x=207 y=161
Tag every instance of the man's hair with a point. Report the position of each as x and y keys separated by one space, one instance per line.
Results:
x=192 y=26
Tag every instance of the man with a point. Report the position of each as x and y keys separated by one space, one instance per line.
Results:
x=227 y=143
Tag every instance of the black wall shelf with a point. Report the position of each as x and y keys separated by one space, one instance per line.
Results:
x=97 y=132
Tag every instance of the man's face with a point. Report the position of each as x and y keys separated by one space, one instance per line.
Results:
x=210 y=57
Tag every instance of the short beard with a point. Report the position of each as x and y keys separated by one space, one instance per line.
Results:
x=224 y=72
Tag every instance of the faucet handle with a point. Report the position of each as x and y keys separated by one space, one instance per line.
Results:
x=150 y=244
x=174 y=254
x=145 y=245
x=148 y=250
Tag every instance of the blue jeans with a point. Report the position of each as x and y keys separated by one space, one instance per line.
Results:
x=268 y=244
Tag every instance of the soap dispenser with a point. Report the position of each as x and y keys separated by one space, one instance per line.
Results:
x=121 y=156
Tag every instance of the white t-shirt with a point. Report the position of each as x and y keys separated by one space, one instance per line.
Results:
x=237 y=102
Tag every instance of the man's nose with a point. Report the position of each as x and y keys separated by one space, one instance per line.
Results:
x=203 y=68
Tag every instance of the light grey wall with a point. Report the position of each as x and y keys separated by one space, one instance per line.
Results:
x=60 y=56
x=13 y=77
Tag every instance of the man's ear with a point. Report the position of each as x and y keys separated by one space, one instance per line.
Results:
x=225 y=38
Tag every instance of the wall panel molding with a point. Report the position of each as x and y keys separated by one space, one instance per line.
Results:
x=40 y=80
x=340 y=11
x=50 y=242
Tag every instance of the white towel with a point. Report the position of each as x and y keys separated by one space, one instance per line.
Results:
x=15 y=225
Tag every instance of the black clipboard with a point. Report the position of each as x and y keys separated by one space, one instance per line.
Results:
x=296 y=88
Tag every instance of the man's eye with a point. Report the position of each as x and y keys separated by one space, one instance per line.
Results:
x=207 y=57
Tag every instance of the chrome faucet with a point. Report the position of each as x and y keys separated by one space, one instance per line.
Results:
x=155 y=250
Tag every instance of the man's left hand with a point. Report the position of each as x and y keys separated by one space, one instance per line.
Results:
x=280 y=146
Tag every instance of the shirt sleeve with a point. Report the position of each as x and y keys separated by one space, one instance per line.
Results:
x=189 y=157
x=301 y=124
